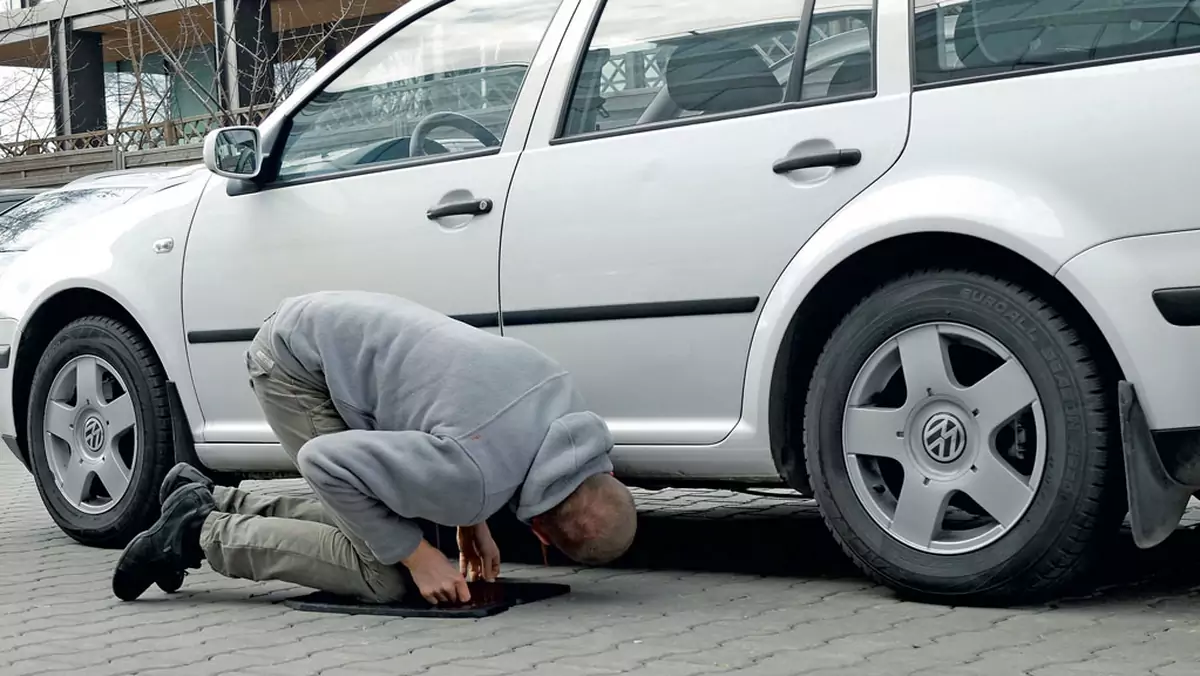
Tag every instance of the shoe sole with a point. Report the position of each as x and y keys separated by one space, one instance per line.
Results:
x=125 y=585
x=171 y=582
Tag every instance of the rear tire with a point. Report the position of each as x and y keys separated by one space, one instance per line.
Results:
x=100 y=442
x=1034 y=539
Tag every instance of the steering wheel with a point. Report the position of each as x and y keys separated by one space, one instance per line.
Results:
x=246 y=161
x=416 y=140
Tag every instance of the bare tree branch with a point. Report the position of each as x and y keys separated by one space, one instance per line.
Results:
x=28 y=99
x=283 y=51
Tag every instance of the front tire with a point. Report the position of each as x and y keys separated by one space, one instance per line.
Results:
x=958 y=438
x=99 y=431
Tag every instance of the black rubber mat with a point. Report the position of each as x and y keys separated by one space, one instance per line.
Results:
x=487 y=598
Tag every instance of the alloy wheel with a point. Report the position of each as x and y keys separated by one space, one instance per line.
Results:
x=944 y=438
x=91 y=442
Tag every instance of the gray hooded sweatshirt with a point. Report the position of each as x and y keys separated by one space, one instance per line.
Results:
x=448 y=423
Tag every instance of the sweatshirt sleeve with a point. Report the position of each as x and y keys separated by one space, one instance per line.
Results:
x=376 y=482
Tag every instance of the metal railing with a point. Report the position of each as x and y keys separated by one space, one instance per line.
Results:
x=138 y=137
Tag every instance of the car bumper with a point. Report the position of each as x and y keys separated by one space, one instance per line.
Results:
x=1144 y=293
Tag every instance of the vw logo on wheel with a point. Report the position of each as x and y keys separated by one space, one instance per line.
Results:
x=944 y=437
x=93 y=434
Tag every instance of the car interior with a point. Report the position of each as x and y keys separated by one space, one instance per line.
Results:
x=705 y=74
x=996 y=36
x=714 y=73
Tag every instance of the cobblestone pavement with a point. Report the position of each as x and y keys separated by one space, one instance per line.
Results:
x=719 y=583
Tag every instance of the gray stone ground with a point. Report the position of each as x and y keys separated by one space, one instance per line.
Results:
x=725 y=583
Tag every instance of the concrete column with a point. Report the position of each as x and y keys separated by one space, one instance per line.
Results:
x=77 y=69
x=246 y=53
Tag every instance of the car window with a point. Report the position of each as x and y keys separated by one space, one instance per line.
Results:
x=989 y=37
x=839 y=59
x=450 y=77
x=25 y=225
x=6 y=204
x=644 y=65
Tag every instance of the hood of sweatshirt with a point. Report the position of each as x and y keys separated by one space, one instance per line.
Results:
x=576 y=447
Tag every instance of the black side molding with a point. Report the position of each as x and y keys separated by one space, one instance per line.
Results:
x=1180 y=307
x=222 y=336
x=483 y=320
x=480 y=321
x=565 y=315
x=659 y=310
x=5 y=355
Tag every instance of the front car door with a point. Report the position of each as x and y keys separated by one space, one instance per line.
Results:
x=672 y=172
x=351 y=202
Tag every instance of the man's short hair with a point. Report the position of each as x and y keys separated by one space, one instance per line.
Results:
x=596 y=524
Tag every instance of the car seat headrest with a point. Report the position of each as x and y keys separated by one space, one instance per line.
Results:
x=715 y=75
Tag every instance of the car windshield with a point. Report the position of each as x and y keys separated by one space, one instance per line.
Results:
x=27 y=224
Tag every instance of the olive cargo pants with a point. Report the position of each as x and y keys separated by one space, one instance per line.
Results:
x=287 y=538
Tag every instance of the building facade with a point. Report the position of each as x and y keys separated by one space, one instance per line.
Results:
x=165 y=69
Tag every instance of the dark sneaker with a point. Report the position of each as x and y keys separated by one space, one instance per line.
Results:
x=169 y=546
x=180 y=476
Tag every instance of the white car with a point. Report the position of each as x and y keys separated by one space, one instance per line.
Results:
x=934 y=266
x=37 y=215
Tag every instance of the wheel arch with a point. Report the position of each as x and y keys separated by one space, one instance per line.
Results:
x=840 y=289
x=43 y=324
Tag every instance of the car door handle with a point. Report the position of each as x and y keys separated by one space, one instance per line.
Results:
x=465 y=208
x=847 y=157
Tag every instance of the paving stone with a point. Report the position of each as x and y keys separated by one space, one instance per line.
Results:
x=723 y=582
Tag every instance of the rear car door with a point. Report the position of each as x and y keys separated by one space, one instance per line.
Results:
x=681 y=155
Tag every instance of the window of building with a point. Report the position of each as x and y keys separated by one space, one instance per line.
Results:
x=451 y=76
x=991 y=37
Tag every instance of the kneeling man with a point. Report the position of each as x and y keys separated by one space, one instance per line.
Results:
x=393 y=412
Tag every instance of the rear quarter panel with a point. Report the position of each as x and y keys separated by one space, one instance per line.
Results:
x=1047 y=166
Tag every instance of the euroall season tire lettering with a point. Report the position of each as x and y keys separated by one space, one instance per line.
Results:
x=1000 y=307
x=1066 y=389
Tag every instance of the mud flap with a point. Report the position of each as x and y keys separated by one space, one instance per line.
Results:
x=181 y=434
x=185 y=443
x=1156 y=500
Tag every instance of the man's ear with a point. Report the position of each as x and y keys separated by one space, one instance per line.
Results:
x=535 y=524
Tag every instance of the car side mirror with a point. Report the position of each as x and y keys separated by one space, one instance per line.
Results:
x=233 y=152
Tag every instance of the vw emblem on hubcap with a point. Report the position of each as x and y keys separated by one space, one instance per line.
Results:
x=93 y=434
x=944 y=437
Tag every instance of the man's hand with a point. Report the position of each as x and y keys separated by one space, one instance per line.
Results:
x=479 y=557
x=435 y=576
